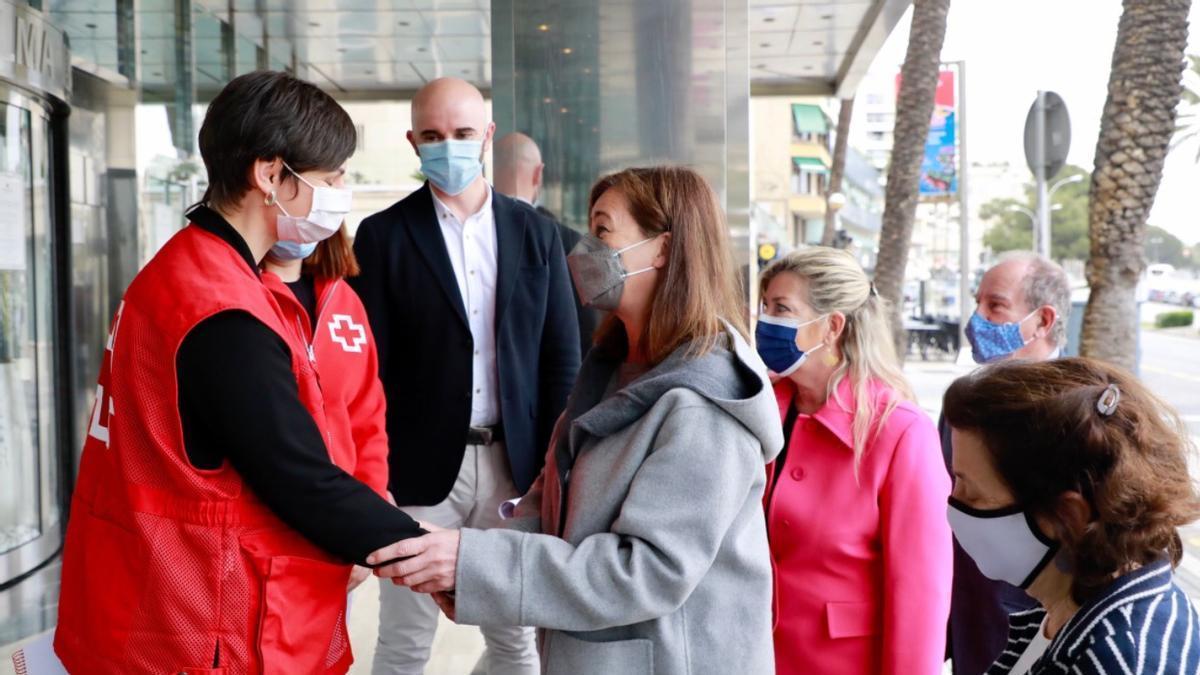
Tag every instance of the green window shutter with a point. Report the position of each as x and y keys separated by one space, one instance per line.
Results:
x=810 y=164
x=809 y=119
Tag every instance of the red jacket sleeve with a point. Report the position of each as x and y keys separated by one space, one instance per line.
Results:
x=368 y=408
x=917 y=553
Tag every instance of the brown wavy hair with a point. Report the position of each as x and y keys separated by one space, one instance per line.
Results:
x=699 y=287
x=1040 y=423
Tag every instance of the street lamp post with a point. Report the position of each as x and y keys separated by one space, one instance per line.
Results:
x=1041 y=238
x=1077 y=178
x=1033 y=224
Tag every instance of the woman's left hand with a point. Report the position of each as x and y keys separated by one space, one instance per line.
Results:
x=431 y=565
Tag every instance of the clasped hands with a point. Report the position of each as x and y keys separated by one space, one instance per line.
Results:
x=426 y=564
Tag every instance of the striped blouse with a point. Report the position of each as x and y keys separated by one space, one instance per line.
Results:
x=1143 y=624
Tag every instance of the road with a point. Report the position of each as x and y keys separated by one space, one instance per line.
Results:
x=1171 y=369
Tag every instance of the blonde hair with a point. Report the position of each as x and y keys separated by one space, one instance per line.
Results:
x=837 y=283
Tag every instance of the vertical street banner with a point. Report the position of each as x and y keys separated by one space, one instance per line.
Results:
x=939 y=167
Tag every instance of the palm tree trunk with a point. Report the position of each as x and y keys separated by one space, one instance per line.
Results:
x=845 y=111
x=914 y=107
x=1144 y=89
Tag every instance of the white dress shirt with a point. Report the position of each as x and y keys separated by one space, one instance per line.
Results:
x=473 y=255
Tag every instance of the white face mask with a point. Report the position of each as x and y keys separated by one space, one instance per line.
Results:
x=330 y=206
x=1006 y=544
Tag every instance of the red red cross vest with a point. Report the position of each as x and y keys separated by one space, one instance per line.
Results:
x=171 y=569
x=342 y=350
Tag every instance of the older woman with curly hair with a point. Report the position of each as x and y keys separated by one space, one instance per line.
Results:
x=1071 y=481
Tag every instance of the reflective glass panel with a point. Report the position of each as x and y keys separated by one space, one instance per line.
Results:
x=20 y=512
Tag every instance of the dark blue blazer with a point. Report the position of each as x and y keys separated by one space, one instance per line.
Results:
x=426 y=349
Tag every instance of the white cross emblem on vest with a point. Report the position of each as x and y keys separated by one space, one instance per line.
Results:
x=351 y=336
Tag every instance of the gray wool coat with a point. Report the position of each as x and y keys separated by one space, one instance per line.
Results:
x=642 y=546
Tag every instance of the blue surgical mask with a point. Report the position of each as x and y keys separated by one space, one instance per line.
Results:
x=290 y=250
x=451 y=165
x=995 y=341
x=775 y=337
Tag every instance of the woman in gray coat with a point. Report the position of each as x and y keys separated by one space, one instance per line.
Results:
x=641 y=548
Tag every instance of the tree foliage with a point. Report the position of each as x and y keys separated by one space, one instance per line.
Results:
x=1010 y=229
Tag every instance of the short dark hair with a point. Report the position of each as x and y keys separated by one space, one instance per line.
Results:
x=1040 y=424
x=264 y=115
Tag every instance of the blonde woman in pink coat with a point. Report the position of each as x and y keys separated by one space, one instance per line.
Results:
x=856 y=504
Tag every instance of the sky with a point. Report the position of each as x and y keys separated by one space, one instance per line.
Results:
x=1012 y=48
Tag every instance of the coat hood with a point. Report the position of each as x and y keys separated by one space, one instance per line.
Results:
x=731 y=376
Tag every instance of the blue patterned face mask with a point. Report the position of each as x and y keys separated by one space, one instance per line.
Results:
x=994 y=341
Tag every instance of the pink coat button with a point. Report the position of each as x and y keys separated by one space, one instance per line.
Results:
x=798 y=473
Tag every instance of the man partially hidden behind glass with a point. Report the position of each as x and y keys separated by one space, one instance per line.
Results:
x=519 y=173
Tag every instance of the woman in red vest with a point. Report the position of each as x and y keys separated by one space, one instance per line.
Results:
x=308 y=281
x=216 y=515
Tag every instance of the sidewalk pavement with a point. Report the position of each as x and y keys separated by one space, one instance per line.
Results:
x=930 y=379
x=455 y=650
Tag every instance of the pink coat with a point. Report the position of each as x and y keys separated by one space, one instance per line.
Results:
x=862 y=569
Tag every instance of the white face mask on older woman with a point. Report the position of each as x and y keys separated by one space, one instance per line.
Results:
x=1005 y=543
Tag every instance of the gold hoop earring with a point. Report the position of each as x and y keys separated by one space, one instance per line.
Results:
x=831 y=359
x=271 y=199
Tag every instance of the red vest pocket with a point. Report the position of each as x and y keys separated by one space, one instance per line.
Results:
x=105 y=567
x=303 y=600
x=851 y=619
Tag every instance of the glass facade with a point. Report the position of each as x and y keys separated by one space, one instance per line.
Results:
x=20 y=520
x=603 y=86
x=30 y=460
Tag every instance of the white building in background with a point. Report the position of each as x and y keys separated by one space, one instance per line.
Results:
x=862 y=216
x=874 y=119
x=793 y=140
x=989 y=181
x=790 y=162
